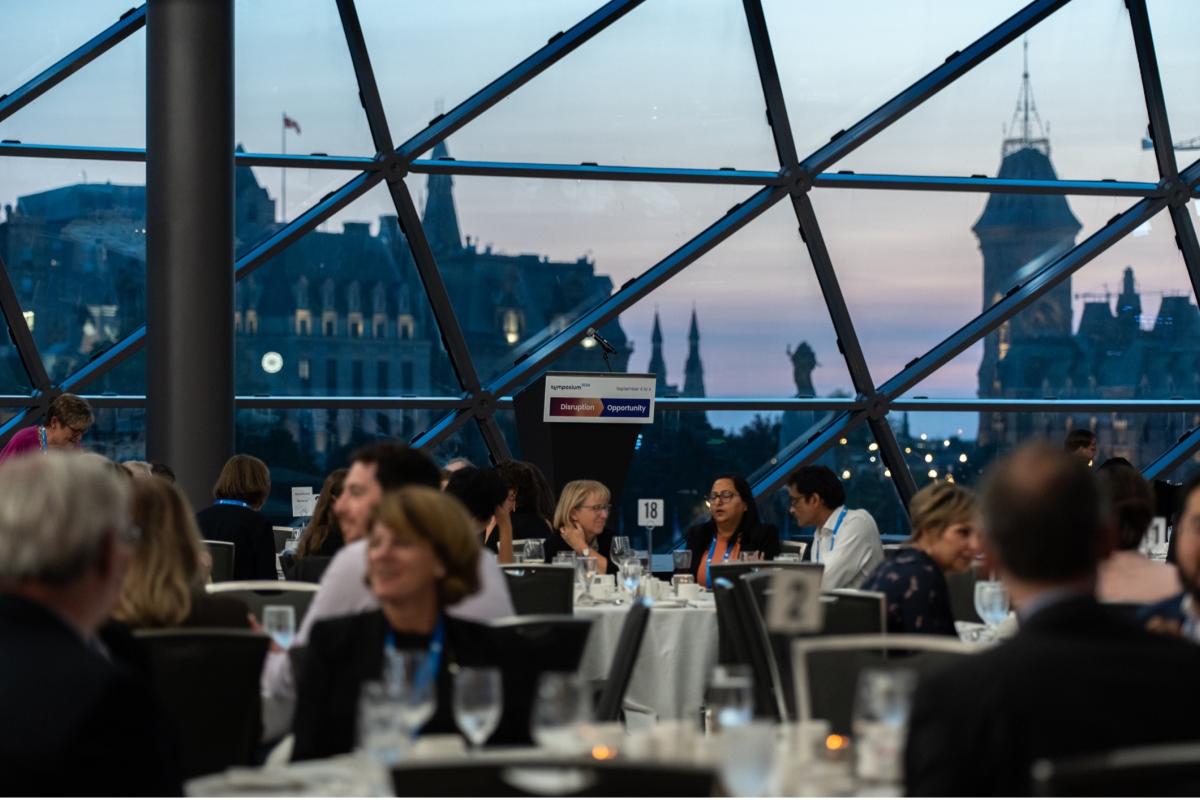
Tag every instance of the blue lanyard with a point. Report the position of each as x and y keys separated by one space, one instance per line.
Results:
x=712 y=548
x=241 y=503
x=832 y=538
x=42 y=437
x=434 y=661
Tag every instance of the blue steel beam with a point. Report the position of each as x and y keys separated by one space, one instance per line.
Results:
x=1176 y=456
x=595 y=172
x=923 y=183
x=783 y=465
x=559 y=45
x=129 y=23
x=17 y=149
x=954 y=67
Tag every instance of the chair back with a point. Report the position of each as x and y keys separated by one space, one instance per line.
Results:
x=761 y=590
x=222 y=559
x=495 y=776
x=309 y=569
x=731 y=639
x=524 y=647
x=736 y=569
x=768 y=685
x=257 y=595
x=206 y=681
x=1161 y=770
x=961 y=586
x=541 y=588
x=608 y=709
x=794 y=546
x=850 y=611
x=282 y=534
x=826 y=668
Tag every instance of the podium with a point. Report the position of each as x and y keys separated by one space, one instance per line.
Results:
x=576 y=425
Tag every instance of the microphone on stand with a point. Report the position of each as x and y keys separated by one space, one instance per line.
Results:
x=600 y=340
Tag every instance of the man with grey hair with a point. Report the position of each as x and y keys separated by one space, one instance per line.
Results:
x=75 y=723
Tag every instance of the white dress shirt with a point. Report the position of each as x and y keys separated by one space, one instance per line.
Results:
x=344 y=591
x=848 y=545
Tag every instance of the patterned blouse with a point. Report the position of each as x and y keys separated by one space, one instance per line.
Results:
x=918 y=600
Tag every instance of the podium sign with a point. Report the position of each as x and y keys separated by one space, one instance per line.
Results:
x=619 y=398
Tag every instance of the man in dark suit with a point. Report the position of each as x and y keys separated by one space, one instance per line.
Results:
x=74 y=721
x=1066 y=684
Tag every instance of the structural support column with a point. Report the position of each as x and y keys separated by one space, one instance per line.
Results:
x=189 y=239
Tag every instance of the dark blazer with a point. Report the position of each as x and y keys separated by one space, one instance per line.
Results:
x=918 y=599
x=765 y=537
x=251 y=535
x=1170 y=610
x=555 y=544
x=1067 y=684
x=343 y=652
x=76 y=722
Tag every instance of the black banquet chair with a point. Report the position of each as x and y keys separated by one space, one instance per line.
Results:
x=257 y=595
x=608 y=709
x=309 y=569
x=541 y=588
x=206 y=681
x=222 y=559
x=1161 y=770
x=485 y=776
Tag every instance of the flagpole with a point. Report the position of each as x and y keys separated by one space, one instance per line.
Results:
x=283 y=177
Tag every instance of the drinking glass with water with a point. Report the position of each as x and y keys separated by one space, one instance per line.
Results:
x=631 y=575
x=279 y=622
x=381 y=731
x=730 y=695
x=478 y=702
x=880 y=722
x=991 y=603
x=562 y=705
x=620 y=549
x=410 y=678
x=534 y=552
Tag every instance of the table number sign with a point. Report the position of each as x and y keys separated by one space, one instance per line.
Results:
x=794 y=603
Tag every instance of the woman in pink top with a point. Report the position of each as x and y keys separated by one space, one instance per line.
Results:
x=67 y=420
x=1127 y=576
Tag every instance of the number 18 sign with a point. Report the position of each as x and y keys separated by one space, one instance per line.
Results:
x=650 y=513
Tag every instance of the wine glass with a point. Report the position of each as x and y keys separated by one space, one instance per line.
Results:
x=991 y=603
x=478 y=701
x=880 y=722
x=560 y=708
x=631 y=575
x=410 y=677
x=534 y=552
x=279 y=622
x=620 y=549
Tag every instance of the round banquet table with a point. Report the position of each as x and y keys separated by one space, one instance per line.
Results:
x=677 y=655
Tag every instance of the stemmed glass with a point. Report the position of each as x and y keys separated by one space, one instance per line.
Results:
x=585 y=569
x=561 y=707
x=478 y=701
x=410 y=678
x=620 y=549
x=279 y=622
x=991 y=603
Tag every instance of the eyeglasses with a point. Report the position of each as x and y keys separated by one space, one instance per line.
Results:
x=724 y=497
x=76 y=433
x=795 y=501
x=599 y=508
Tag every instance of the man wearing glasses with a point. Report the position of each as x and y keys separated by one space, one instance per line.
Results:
x=845 y=540
x=67 y=420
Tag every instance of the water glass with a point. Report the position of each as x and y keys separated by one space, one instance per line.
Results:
x=518 y=556
x=561 y=707
x=991 y=603
x=678 y=581
x=643 y=556
x=279 y=622
x=682 y=559
x=620 y=549
x=747 y=758
x=880 y=722
x=787 y=558
x=631 y=575
x=585 y=570
x=750 y=555
x=382 y=734
x=730 y=695
x=564 y=558
x=534 y=552
x=478 y=701
x=409 y=677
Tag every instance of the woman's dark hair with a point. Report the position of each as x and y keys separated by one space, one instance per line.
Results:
x=531 y=487
x=1078 y=439
x=819 y=480
x=1130 y=501
x=479 y=490
x=750 y=519
x=244 y=478
x=323 y=521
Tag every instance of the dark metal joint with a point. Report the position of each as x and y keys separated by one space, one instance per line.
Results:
x=877 y=406
x=394 y=168
x=483 y=404
x=800 y=179
x=1175 y=191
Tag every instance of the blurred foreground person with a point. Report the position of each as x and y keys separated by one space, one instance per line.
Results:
x=1179 y=614
x=1065 y=685
x=1127 y=576
x=74 y=721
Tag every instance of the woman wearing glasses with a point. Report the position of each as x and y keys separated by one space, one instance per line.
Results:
x=732 y=529
x=581 y=518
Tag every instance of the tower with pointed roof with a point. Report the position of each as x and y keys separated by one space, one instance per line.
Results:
x=440 y=219
x=658 y=364
x=1018 y=235
x=693 y=371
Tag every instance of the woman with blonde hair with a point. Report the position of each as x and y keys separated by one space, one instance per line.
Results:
x=946 y=530
x=580 y=522
x=422 y=557
x=165 y=583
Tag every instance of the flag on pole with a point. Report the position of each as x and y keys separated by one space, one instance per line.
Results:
x=288 y=122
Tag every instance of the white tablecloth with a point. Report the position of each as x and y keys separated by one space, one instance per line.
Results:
x=677 y=655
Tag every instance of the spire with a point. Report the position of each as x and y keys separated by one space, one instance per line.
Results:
x=693 y=371
x=658 y=364
x=1026 y=116
x=440 y=219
